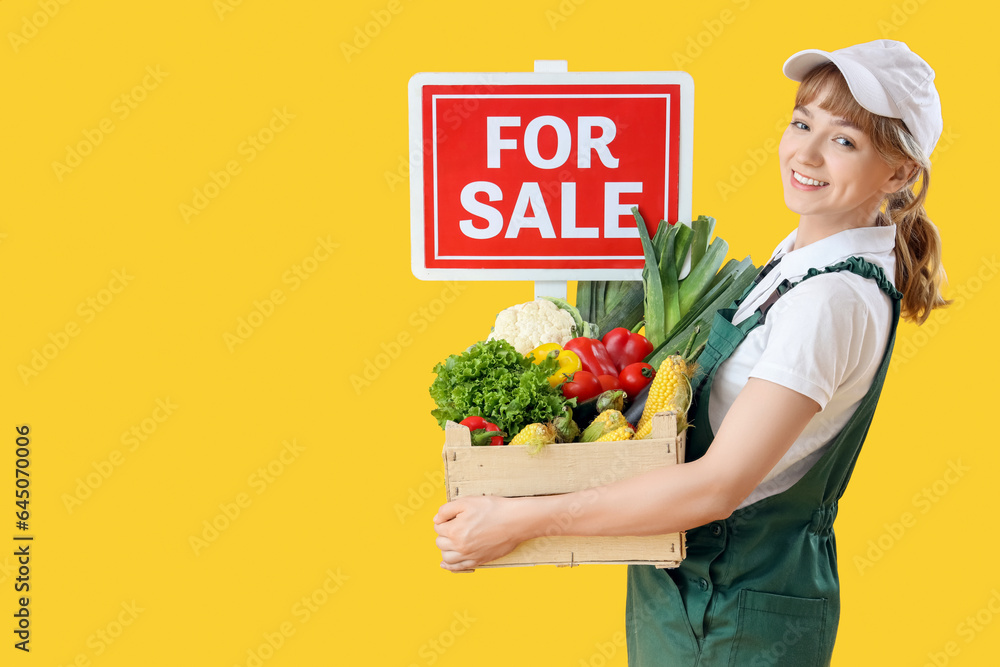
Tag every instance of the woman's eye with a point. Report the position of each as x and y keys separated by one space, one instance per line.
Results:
x=846 y=142
x=799 y=125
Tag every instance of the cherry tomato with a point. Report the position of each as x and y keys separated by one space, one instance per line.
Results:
x=581 y=386
x=635 y=377
x=609 y=382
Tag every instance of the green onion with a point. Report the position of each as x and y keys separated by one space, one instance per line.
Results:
x=654 y=302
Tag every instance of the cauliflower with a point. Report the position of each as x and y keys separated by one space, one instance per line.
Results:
x=528 y=325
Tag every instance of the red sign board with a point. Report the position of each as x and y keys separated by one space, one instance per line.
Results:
x=533 y=176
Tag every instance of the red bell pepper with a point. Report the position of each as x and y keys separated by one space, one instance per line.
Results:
x=625 y=347
x=593 y=356
x=480 y=428
x=609 y=382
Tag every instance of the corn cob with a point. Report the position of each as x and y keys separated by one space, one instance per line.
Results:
x=535 y=436
x=670 y=390
x=623 y=433
x=604 y=423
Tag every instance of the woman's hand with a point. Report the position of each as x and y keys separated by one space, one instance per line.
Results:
x=476 y=530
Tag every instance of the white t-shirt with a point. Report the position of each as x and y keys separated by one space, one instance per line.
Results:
x=824 y=338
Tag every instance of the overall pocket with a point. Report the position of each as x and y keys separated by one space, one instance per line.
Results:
x=780 y=630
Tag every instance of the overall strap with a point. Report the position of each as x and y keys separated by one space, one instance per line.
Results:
x=723 y=339
x=759 y=277
x=855 y=265
x=724 y=336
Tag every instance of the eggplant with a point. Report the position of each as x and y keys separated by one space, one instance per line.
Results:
x=634 y=412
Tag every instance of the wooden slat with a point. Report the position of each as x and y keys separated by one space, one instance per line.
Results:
x=665 y=550
x=558 y=468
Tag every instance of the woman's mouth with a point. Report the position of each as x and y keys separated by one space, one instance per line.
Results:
x=805 y=183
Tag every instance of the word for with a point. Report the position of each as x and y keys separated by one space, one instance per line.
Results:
x=249 y=149
x=38 y=20
x=88 y=310
x=123 y=105
x=103 y=469
x=588 y=143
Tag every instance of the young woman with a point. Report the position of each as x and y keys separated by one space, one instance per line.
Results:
x=787 y=389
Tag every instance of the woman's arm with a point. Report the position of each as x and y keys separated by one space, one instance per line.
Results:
x=762 y=424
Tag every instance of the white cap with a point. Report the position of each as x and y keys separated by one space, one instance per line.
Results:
x=885 y=78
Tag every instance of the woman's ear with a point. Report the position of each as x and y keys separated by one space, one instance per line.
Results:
x=901 y=177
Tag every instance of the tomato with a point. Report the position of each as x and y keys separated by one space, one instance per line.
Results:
x=635 y=377
x=609 y=382
x=581 y=386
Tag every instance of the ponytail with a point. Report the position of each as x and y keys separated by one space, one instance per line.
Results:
x=919 y=272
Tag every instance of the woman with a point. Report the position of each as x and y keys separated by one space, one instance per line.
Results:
x=787 y=389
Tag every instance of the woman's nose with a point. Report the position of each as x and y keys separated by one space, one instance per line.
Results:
x=809 y=151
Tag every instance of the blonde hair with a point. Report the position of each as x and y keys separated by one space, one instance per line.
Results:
x=919 y=272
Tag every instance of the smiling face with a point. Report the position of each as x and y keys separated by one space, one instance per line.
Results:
x=831 y=173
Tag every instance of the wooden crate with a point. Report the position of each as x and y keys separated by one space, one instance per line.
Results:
x=563 y=468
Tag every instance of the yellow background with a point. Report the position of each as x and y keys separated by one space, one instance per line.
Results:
x=344 y=522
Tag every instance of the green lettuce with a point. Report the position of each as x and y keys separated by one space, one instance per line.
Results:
x=494 y=381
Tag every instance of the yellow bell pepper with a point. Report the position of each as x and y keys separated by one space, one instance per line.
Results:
x=568 y=361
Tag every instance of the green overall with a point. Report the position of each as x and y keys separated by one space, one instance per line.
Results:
x=760 y=587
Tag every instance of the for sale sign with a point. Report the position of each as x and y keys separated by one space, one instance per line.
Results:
x=532 y=176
